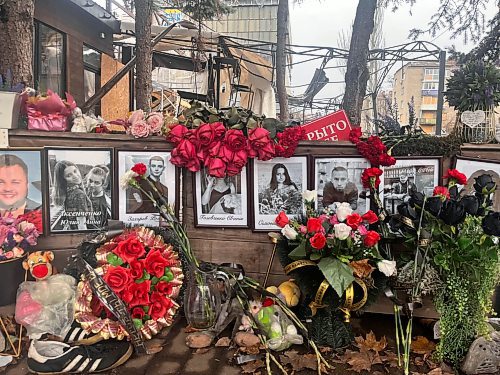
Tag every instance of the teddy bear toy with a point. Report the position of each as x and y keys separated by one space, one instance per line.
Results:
x=288 y=292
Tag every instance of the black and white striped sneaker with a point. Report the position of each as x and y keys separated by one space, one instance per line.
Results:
x=53 y=357
x=78 y=336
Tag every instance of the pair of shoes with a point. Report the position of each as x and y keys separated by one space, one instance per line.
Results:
x=78 y=336
x=53 y=357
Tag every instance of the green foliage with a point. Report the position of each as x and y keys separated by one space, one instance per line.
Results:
x=201 y=10
x=428 y=145
x=476 y=85
x=338 y=274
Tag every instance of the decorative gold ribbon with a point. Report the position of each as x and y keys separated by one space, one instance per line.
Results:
x=299 y=264
x=318 y=299
x=349 y=304
x=424 y=242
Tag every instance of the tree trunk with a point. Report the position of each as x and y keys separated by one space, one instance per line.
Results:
x=282 y=21
x=144 y=53
x=16 y=41
x=357 y=74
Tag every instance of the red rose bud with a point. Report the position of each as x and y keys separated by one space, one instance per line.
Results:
x=314 y=225
x=318 y=241
x=441 y=191
x=370 y=217
x=219 y=130
x=117 y=278
x=354 y=220
x=371 y=238
x=281 y=220
x=455 y=175
x=235 y=140
x=140 y=169
x=177 y=134
x=258 y=138
x=136 y=269
x=138 y=313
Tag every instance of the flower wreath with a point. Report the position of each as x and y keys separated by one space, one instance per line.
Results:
x=145 y=272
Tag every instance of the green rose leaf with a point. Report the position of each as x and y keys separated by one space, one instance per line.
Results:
x=145 y=308
x=315 y=256
x=146 y=317
x=137 y=323
x=338 y=274
x=145 y=275
x=299 y=252
x=155 y=280
x=169 y=276
x=114 y=259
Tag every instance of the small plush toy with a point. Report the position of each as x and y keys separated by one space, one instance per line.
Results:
x=288 y=292
x=38 y=263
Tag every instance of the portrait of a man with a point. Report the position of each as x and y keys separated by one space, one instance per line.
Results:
x=340 y=189
x=18 y=183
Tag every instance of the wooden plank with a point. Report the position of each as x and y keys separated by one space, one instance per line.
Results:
x=115 y=103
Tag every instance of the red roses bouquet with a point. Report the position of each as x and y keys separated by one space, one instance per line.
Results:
x=226 y=150
x=145 y=273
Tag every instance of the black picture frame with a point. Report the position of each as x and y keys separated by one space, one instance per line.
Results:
x=60 y=219
x=123 y=211
x=240 y=183
x=35 y=180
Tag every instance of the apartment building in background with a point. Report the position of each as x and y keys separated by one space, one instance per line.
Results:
x=420 y=80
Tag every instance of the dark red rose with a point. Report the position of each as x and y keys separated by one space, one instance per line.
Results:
x=164 y=288
x=371 y=175
x=216 y=167
x=371 y=238
x=354 y=220
x=258 y=138
x=184 y=155
x=314 y=225
x=155 y=263
x=140 y=293
x=318 y=241
x=281 y=220
x=140 y=169
x=136 y=269
x=235 y=140
x=441 y=191
x=266 y=153
x=130 y=249
x=177 y=134
x=370 y=217
x=236 y=162
x=205 y=135
x=159 y=306
x=117 y=278
x=219 y=130
x=456 y=176
x=138 y=313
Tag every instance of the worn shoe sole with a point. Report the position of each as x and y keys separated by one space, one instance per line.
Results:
x=120 y=362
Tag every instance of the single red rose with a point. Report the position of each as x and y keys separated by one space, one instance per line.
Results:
x=177 y=134
x=136 y=269
x=369 y=176
x=281 y=220
x=441 y=191
x=159 y=306
x=117 y=278
x=155 y=263
x=164 y=288
x=140 y=169
x=219 y=130
x=205 y=135
x=354 y=220
x=126 y=295
x=456 y=176
x=237 y=163
x=314 y=225
x=267 y=302
x=318 y=241
x=258 y=138
x=266 y=153
x=224 y=153
x=140 y=293
x=184 y=155
x=130 y=249
x=371 y=238
x=216 y=167
x=370 y=217
x=138 y=313
x=235 y=140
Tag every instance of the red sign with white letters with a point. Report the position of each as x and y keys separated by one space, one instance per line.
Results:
x=332 y=127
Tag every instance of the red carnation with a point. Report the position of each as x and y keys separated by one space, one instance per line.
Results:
x=140 y=169
x=370 y=217
x=354 y=220
x=455 y=175
x=355 y=134
x=318 y=241
x=442 y=191
x=314 y=224
x=371 y=238
x=281 y=220
x=386 y=160
x=370 y=176
x=155 y=263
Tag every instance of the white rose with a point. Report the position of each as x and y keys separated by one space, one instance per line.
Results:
x=387 y=267
x=343 y=210
x=342 y=231
x=310 y=195
x=289 y=232
x=127 y=176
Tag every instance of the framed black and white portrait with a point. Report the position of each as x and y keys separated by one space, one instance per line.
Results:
x=80 y=188
x=476 y=167
x=277 y=186
x=338 y=180
x=409 y=175
x=21 y=184
x=134 y=207
x=221 y=201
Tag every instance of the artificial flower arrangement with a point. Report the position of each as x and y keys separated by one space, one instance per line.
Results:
x=142 y=125
x=456 y=234
x=49 y=112
x=17 y=235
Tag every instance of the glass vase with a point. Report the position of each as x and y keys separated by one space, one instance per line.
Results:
x=202 y=297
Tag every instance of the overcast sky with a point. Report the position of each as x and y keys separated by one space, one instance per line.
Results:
x=319 y=22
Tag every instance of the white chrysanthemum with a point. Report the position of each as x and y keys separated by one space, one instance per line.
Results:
x=127 y=178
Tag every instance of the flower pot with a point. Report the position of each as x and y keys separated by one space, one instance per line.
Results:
x=10 y=105
x=13 y=274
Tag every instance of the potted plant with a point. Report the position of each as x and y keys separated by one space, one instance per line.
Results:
x=10 y=101
x=474 y=91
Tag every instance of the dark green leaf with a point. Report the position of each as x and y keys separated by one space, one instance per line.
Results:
x=315 y=256
x=338 y=274
x=299 y=252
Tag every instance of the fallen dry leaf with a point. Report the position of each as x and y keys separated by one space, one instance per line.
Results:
x=251 y=367
x=390 y=358
x=362 y=360
x=299 y=361
x=325 y=349
x=255 y=349
x=202 y=350
x=371 y=343
x=362 y=268
x=153 y=349
x=190 y=329
x=419 y=361
x=223 y=341
x=422 y=345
